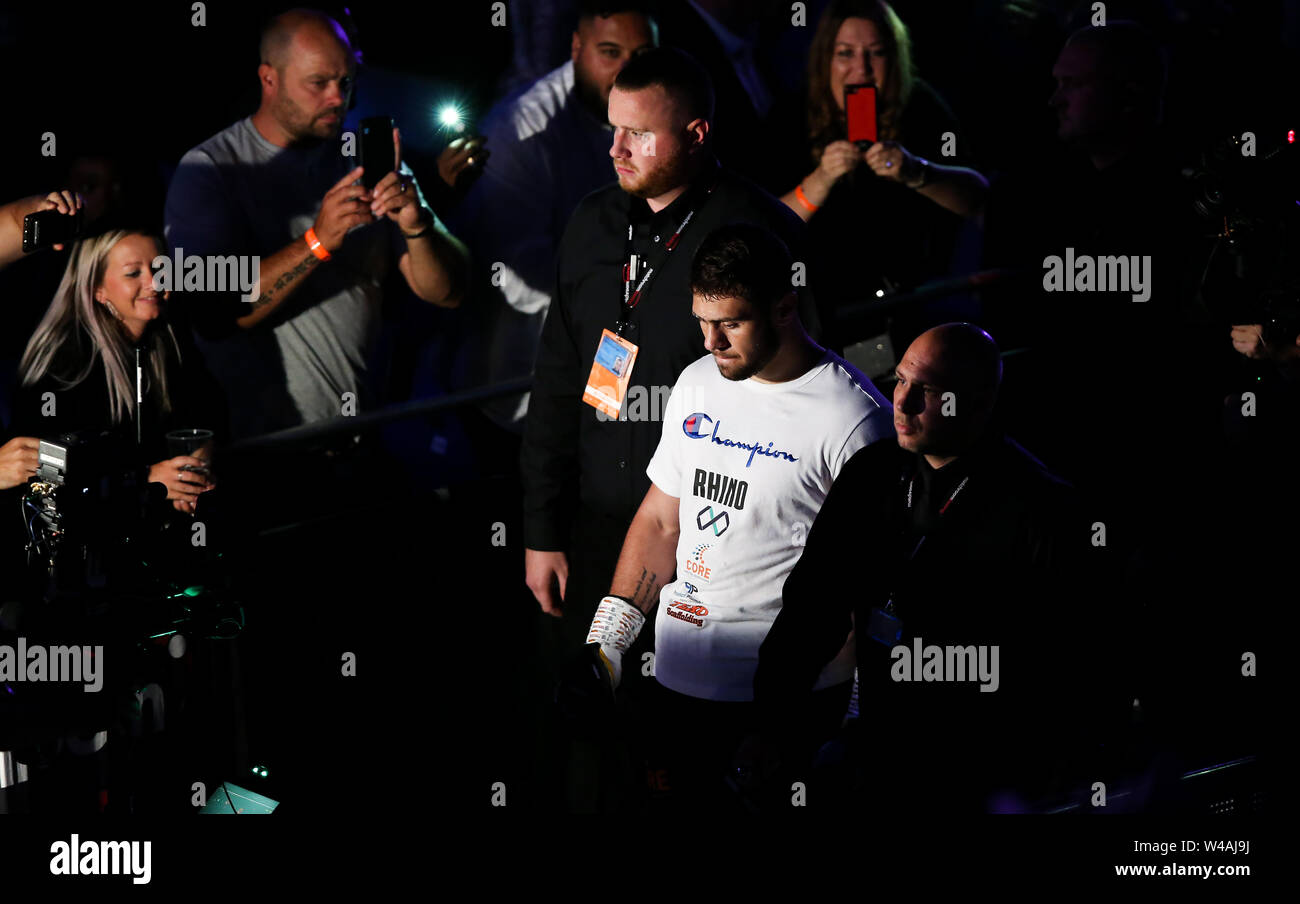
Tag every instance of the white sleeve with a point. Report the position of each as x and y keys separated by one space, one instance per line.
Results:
x=665 y=468
x=876 y=426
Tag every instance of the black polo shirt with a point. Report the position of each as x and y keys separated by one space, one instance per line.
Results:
x=569 y=454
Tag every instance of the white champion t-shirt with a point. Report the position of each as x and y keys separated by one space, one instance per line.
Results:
x=751 y=463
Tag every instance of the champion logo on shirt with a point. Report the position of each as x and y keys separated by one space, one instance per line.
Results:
x=698 y=421
x=695 y=423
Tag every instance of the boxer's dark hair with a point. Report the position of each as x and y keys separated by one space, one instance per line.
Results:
x=741 y=260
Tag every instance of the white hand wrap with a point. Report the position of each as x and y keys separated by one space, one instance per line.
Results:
x=615 y=626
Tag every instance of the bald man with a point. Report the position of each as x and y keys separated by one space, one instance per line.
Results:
x=278 y=186
x=956 y=540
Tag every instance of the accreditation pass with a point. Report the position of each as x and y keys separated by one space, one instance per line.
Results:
x=610 y=372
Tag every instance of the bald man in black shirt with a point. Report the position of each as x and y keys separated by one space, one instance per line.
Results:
x=968 y=647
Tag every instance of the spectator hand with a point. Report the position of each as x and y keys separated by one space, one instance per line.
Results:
x=1249 y=340
x=65 y=202
x=398 y=197
x=838 y=158
x=343 y=207
x=183 y=487
x=18 y=461
x=460 y=155
x=891 y=160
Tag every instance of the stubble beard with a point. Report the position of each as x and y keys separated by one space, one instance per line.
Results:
x=658 y=183
x=303 y=129
x=768 y=346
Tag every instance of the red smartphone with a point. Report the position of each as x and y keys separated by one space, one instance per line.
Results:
x=860 y=107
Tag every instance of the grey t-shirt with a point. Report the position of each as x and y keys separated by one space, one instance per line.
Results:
x=238 y=193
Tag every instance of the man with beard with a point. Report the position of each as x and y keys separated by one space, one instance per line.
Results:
x=622 y=289
x=277 y=186
x=583 y=470
x=550 y=149
x=755 y=433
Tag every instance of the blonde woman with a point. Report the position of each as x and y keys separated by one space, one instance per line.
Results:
x=79 y=372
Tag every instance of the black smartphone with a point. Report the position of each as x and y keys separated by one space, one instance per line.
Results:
x=860 y=107
x=49 y=227
x=378 y=155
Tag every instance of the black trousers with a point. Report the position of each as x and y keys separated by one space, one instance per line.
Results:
x=690 y=744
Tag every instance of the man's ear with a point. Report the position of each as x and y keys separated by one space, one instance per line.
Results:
x=267 y=77
x=575 y=47
x=699 y=129
x=786 y=309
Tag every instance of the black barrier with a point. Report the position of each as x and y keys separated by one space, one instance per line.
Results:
x=982 y=279
x=360 y=423
x=339 y=426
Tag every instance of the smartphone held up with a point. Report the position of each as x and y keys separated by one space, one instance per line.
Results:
x=378 y=154
x=860 y=108
x=47 y=228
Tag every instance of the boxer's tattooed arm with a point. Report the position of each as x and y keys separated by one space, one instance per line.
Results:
x=647 y=590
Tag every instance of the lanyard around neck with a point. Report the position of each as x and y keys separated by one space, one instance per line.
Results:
x=632 y=268
x=889 y=605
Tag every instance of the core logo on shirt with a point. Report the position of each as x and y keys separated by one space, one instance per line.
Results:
x=698 y=421
x=696 y=567
x=712 y=521
x=720 y=488
x=695 y=423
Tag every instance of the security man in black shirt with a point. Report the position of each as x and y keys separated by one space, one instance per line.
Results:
x=619 y=330
x=960 y=562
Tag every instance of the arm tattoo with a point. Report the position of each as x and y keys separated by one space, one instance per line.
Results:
x=285 y=278
x=647 y=589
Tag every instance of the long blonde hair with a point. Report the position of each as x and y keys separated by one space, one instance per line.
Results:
x=74 y=316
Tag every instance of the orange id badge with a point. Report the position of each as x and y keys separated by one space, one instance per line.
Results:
x=610 y=372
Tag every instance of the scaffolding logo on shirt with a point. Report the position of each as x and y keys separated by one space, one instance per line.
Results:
x=705 y=519
x=696 y=566
x=697 y=422
x=691 y=613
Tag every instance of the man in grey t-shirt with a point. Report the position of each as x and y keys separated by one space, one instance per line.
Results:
x=277 y=185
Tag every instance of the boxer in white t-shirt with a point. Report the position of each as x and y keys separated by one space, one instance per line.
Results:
x=754 y=435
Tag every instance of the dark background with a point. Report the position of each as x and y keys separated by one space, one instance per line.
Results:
x=138 y=80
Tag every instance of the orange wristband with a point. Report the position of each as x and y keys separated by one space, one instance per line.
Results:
x=803 y=199
x=316 y=247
